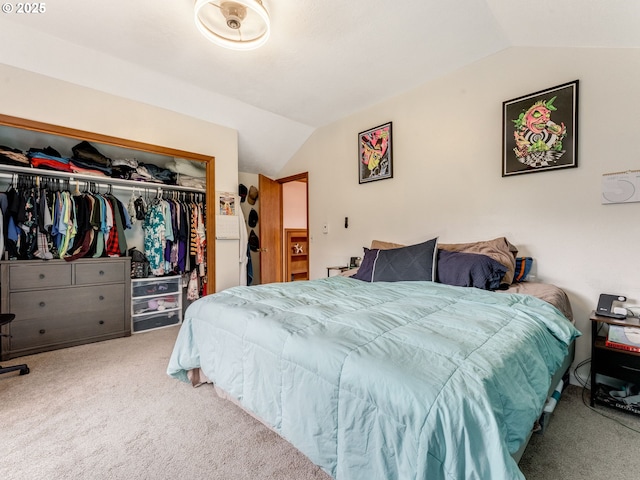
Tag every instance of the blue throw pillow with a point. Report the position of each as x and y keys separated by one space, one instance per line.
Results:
x=412 y=263
x=469 y=270
x=365 y=271
x=523 y=267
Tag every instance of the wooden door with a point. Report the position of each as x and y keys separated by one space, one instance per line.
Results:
x=270 y=229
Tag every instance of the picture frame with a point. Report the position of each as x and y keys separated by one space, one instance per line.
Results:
x=540 y=131
x=227 y=202
x=375 y=154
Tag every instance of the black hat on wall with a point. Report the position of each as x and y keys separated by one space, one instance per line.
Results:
x=242 y=190
x=253 y=218
x=254 y=241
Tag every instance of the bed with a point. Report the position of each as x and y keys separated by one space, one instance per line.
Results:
x=389 y=378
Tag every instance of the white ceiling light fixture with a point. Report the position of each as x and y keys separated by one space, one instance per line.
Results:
x=237 y=24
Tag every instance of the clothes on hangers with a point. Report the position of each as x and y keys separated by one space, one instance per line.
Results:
x=48 y=221
x=174 y=236
x=155 y=238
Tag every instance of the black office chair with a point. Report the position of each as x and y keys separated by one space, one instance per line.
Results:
x=5 y=319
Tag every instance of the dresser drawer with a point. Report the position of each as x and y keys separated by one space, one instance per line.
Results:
x=155 y=286
x=72 y=302
x=157 y=303
x=104 y=272
x=38 y=332
x=39 y=275
x=155 y=320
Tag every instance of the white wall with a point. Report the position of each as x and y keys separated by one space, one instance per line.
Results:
x=40 y=98
x=447 y=174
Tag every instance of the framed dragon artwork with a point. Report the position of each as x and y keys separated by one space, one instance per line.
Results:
x=540 y=131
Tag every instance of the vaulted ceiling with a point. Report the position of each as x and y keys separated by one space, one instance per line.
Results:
x=324 y=60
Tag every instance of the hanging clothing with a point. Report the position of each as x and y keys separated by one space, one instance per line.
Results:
x=43 y=223
x=154 y=237
x=174 y=236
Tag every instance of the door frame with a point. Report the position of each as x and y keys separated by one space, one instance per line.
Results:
x=278 y=274
x=299 y=177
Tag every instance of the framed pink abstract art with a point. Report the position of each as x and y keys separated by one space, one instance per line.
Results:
x=375 y=154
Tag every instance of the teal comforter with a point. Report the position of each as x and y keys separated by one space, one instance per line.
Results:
x=403 y=380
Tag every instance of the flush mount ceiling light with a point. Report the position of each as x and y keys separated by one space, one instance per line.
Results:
x=238 y=24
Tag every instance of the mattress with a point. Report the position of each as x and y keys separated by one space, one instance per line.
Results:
x=382 y=380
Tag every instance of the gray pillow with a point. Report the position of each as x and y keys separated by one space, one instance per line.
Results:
x=413 y=263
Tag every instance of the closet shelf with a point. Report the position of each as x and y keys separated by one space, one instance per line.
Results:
x=7 y=170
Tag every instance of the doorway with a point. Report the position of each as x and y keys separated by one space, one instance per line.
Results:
x=284 y=206
x=295 y=236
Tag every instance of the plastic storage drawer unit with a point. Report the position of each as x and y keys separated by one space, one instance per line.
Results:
x=155 y=303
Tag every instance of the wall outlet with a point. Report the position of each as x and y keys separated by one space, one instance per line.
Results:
x=325 y=228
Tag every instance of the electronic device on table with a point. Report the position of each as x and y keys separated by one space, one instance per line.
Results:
x=606 y=306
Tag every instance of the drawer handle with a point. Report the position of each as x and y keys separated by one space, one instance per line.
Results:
x=42 y=331
x=101 y=322
x=101 y=272
x=42 y=304
x=631 y=368
x=101 y=297
x=41 y=276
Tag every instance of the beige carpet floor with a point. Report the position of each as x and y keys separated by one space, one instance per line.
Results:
x=109 y=411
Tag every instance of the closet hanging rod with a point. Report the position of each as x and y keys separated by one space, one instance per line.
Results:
x=8 y=171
